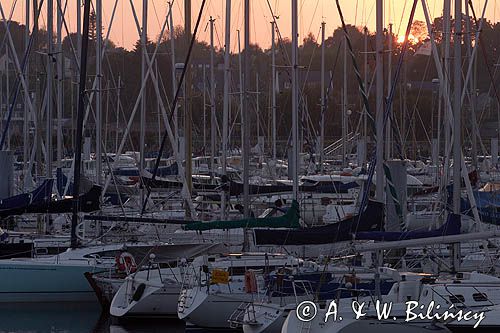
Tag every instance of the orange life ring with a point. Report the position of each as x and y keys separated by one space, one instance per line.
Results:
x=125 y=262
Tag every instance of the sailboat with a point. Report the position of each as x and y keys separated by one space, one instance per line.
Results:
x=60 y=277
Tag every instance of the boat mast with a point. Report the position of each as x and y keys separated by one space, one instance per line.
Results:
x=212 y=100
x=204 y=106
x=240 y=78
x=379 y=117
x=365 y=111
x=344 y=108
x=188 y=139
x=379 y=124
x=457 y=149
x=79 y=123
x=172 y=63
x=322 y=125
x=446 y=65
x=60 y=78
x=26 y=115
x=388 y=128
x=49 y=88
x=273 y=74
x=245 y=114
x=295 y=103
x=78 y=53
x=225 y=111
x=142 y=138
x=98 y=92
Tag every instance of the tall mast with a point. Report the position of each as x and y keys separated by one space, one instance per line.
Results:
x=78 y=51
x=79 y=124
x=212 y=98
x=98 y=96
x=295 y=103
x=344 y=108
x=365 y=115
x=472 y=89
x=142 y=137
x=50 y=77
x=204 y=105
x=27 y=172
x=446 y=64
x=257 y=110
x=225 y=115
x=457 y=149
x=246 y=113
x=323 y=104
x=388 y=130
x=188 y=139
x=60 y=78
x=379 y=119
x=172 y=63
x=240 y=78
x=273 y=71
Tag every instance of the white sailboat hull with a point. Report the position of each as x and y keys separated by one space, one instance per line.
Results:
x=44 y=282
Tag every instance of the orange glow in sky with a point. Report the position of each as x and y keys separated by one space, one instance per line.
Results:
x=411 y=38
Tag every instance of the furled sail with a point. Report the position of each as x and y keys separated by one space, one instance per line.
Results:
x=289 y=220
x=371 y=219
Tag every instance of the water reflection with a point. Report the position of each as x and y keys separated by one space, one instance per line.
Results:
x=147 y=326
x=79 y=318
x=49 y=317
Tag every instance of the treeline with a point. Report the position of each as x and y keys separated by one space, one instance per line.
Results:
x=415 y=103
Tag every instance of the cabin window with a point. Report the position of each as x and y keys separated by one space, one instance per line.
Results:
x=457 y=299
x=480 y=297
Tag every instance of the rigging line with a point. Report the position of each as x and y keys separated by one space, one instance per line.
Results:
x=401 y=20
x=174 y=103
x=483 y=49
x=313 y=15
x=15 y=92
x=156 y=14
x=331 y=83
x=356 y=13
x=415 y=108
x=9 y=21
x=387 y=106
x=284 y=54
x=310 y=62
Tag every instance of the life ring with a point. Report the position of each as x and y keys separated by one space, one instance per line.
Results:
x=125 y=262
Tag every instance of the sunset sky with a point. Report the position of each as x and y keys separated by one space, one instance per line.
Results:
x=311 y=14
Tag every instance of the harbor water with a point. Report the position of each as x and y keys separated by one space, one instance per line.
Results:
x=78 y=318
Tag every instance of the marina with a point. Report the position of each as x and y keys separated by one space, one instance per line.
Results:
x=221 y=166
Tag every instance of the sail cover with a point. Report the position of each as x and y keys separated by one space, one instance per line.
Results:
x=451 y=227
x=21 y=203
x=371 y=219
x=289 y=220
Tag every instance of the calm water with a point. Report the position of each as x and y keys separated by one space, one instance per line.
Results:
x=78 y=318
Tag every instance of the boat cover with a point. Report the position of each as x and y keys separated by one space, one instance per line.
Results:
x=371 y=219
x=289 y=220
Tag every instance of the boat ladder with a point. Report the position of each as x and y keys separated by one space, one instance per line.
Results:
x=237 y=318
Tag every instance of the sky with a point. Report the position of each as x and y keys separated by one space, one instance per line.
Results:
x=123 y=31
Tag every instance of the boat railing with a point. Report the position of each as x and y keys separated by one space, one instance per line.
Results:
x=301 y=285
x=355 y=293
